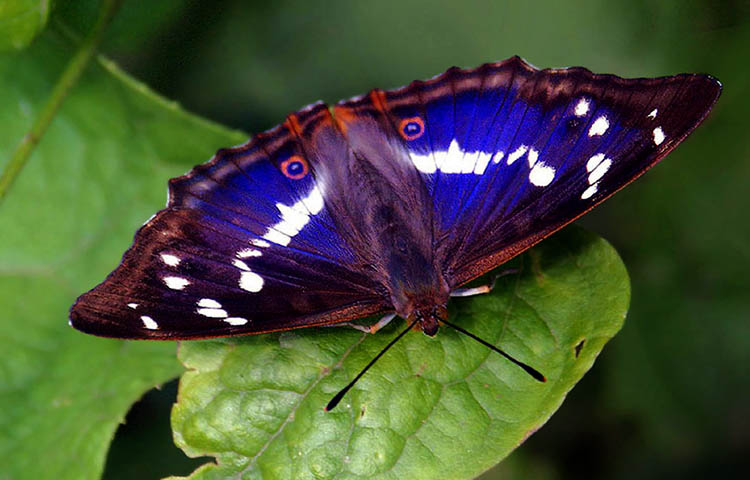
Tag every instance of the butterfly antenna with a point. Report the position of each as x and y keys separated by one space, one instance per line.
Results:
x=335 y=400
x=531 y=371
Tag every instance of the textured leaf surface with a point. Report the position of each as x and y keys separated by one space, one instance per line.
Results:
x=443 y=407
x=21 y=21
x=98 y=173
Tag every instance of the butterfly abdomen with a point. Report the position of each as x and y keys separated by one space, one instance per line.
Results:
x=401 y=245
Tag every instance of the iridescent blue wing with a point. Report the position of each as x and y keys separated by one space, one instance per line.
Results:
x=509 y=154
x=247 y=244
x=321 y=220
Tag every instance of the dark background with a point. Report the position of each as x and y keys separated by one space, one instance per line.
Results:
x=670 y=396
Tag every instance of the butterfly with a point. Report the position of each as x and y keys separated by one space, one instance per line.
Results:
x=389 y=202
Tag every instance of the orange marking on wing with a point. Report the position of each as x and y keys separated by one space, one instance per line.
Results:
x=343 y=116
x=286 y=164
x=292 y=124
x=402 y=128
x=377 y=97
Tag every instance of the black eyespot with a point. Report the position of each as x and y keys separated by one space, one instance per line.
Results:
x=294 y=167
x=411 y=128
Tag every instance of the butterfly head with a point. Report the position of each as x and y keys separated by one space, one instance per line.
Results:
x=429 y=318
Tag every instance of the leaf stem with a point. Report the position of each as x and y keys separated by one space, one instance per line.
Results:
x=65 y=83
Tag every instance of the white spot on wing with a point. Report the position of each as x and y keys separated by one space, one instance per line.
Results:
x=451 y=161
x=599 y=171
x=169 y=259
x=582 y=108
x=541 y=175
x=133 y=305
x=594 y=161
x=313 y=201
x=260 y=243
x=483 y=159
x=653 y=113
x=599 y=127
x=533 y=156
x=518 y=153
x=251 y=281
x=589 y=191
x=469 y=161
x=209 y=303
x=597 y=166
x=241 y=265
x=236 y=320
x=277 y=237
x=658 y=135
x=149 y=322
x=294 y=218
x=176 y=283
x=423 y=163
x=454 y=160
x=212 y=312
x=249 y=252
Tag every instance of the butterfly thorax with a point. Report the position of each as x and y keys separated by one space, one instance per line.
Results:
x=389 y=220
x=410 y=271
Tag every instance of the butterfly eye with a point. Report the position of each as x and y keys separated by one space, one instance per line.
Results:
x=411 y=128
x=294 y=167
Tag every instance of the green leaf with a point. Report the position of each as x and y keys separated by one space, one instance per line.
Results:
x=99 y=171
x=443 y=407
x=21 y=21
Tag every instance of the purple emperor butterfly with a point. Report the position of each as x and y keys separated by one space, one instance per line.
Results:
x=388 y=203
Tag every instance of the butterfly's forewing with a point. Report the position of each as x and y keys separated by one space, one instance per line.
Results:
x=627 y=127
x=510 y=153
x=246 y=245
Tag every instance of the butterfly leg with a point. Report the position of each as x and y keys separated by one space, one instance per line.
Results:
x=468 y=292
x=369 y=328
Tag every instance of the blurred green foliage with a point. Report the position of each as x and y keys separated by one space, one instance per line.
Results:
x=96 y=175
x=21 y=21
x=669 y=397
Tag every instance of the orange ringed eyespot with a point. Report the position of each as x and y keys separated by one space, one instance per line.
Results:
x=411 y=128
x=294 y=167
